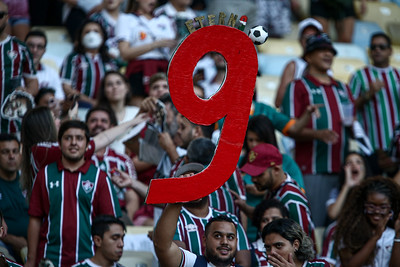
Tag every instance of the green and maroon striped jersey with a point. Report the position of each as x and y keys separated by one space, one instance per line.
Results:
x=316 y=156
x=16 y=62
x=380 y=115
x=84 y=72
x=190 y=230
x=67 y=202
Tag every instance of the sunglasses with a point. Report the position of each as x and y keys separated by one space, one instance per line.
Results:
x=2 y=14
x=380 y=46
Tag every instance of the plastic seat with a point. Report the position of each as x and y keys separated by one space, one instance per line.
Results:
x=280 y=47
x=350 y=51
x=138 y=259
x=394 y=32
x=395 y=58
x=382 y=13
x=343 y=68
x=272 y=64
x=363 y=31
x=266 y=88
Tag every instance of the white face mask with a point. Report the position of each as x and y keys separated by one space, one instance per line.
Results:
x=92 y=40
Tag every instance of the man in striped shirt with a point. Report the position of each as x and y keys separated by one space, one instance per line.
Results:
x=376 y=90
x=194 y=217
x=220 y=235
x=17 y=71
x=321 y=146
x=99 y=119
x=264 y=165
x=66 y=196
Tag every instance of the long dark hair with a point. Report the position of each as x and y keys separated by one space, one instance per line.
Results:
x=291 y=231
x=353 y=229
x=102 y=98
x=79 y=48
x=37 y=126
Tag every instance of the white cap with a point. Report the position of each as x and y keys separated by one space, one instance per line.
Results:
x=309 y=22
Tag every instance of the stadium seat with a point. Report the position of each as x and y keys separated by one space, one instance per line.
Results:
x=138 y=259
x=394 y=32
x=343 y=68
x=382 y=13
x=350 y=51
x=280 y=47
x=269 y=64
x=363 y=31
x=266 y=88
x=395 y=58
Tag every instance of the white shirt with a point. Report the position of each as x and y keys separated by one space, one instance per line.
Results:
x=138 y=30
x=48 y=77
x=130 y=112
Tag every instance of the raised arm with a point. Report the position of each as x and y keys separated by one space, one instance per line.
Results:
x=131 y=52
x=105 y=138
x=168 y=252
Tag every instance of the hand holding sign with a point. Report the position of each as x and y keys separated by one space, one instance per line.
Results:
x=232 y=101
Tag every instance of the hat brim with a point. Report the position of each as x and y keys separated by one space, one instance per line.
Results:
x=322 y=47
x=253 y=170
x=189 y=167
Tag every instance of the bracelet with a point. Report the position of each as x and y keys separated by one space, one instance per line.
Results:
x=396 y=240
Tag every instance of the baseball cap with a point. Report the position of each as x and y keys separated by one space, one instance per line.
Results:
x=189 y=167
x=261 y=157
x=317 y=42
x=309 y=22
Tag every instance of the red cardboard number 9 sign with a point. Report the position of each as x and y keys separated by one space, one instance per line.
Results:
x=232 y=101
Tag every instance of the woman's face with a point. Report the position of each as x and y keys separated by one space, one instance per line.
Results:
x=252 y=139
x=146 y=6
x=115 y=88
x=91 y=27
x=276 y=244
x=269 y=215
x=377 y=208
x=356 y=165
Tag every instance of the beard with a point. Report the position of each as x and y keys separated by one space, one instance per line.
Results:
x=2 y=27
x=197 y=203
x=217 y=260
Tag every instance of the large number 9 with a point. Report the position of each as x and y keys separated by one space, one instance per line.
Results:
x=232 y=101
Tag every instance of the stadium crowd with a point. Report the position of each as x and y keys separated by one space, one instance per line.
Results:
x=79 y=148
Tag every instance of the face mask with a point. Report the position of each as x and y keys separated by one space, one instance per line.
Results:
x=92 y=40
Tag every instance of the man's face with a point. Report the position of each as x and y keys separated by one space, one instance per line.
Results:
x=159 y=88
x=380 y=52
x=184 y=135
x=270 y=215
x=73 y=144
x=37 y=47
x=321 y=59
x=4 y=18
x=10 y=157
x=98 y=122
x=221 y=243
x=112 y=243
x=264 y=181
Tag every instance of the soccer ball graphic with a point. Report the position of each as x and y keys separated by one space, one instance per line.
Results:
x=258 y=34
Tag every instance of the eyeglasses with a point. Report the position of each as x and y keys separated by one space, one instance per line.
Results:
x=33 y=46
x=380 y=46
x=3 y=14
x=373 y=209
